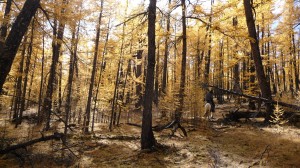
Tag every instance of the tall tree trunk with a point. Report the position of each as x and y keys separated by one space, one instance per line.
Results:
x=147 y=136
x=156 y=84
x=263 y=83
x=100 y=75
x=88 y=106
x=29 y=53
x=31 y=81
x=74 y=44
x=138 y=84
x=296 y=75
x=42 y=80
x=56 y=47
x=14 y=38
x=165 y=72
x=207 y=57
x=179 y=110
x=19 y=82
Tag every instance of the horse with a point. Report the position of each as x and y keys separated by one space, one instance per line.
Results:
x=207 y=110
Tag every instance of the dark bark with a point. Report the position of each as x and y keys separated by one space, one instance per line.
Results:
x=56 y=47
x=263 y=83
x=15 y=36
x=90 y=94
x=179 y=110
x=147 y=136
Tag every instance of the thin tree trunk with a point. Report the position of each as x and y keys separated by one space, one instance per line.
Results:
x=100 y=75
x=88 y=106
x=164 y=82
x=179 y=110
x=31 y=80
x=19 y=82
x=156 y=84
x=26 y=75
x=42 y=80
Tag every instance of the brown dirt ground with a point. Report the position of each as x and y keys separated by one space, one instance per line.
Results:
x=209 y=144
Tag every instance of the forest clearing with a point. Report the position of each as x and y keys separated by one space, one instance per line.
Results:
x=149 y=83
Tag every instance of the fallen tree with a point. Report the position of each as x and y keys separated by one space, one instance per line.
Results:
x=292 y=106
x=172 y=124
x=55 y=136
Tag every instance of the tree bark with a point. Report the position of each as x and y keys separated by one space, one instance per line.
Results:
x=147 y=136
x=88 y=106
x=263 y=83
x=14 y=38
x=56 y=47
x=179 y=110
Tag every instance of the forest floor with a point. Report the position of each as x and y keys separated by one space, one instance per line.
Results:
x=209 y=144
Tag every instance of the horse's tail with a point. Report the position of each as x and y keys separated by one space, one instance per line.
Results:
x=207 y=108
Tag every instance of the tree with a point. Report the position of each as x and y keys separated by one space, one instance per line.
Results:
x=263 y=83
x=147 y=136
x=90 y=94
x=14 y=38
x=58 y=34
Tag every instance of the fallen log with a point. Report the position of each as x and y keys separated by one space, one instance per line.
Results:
x=235 y=116
x=172 y=124
x=55 y=136
x=292 y=106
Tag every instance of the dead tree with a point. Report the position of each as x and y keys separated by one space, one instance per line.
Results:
x=55 y=136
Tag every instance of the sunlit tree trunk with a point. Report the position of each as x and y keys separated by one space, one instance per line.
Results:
x=166 y=54
x=156 y=92
x=147 y=136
